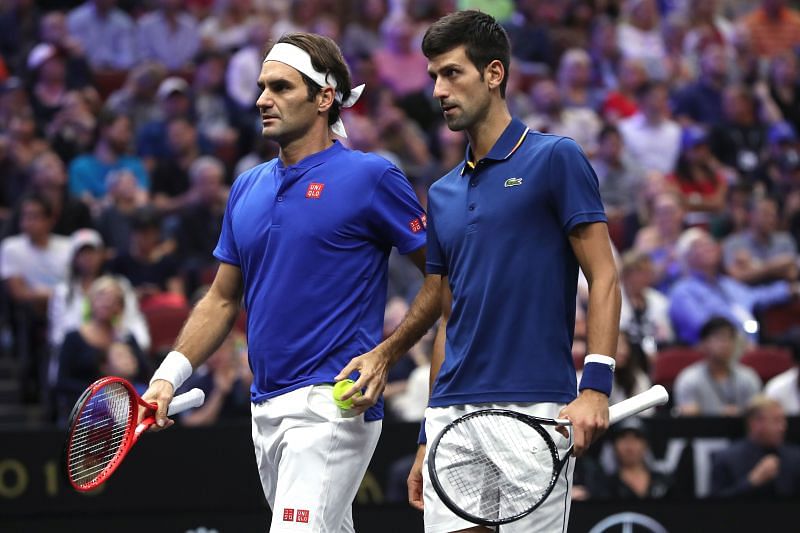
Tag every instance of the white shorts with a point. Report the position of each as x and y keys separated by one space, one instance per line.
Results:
x=551 y=517
x=311 y=458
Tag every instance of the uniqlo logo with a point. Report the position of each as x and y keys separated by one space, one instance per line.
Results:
x=315 y=190
x=415 y=225
x=302 y=516
x=288 y=515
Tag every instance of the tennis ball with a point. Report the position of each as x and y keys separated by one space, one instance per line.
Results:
x=339 y=389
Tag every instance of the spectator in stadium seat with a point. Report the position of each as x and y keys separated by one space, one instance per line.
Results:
x=775 y=27
x=701 y=101
x=605 y=53
x=708 y=28
x=658 y=239
x=644 y=314
x=550 y=116
x=400 y=63
x=575 y=80
x=170 y=183
x=19 y=22
x=652 y=139
x=97 y=347
x=747 y=66
x=784 y=86
x=739 y=140
x=362 y=32
x=716 y=386
x=639 y=35
x=150 y=264
x=47 y=177
x=699 y=178
x=704 y=292
x=88 y=173
x=619 y=178
x=244 y=65
x=782 y=166
x=211 y=106
x=71 y=132
x=621 y=102
x=762 y=466
x=24 y=142
x=198 y=222
x=106 y=33
x=226 y=29
x=70 y=302
x=175 y=100
x=785 y=387
x=761 y=254
x=634 y=478
x=530 y=35
x=53 y=31
x=137 y=98
x=115 y=221
x=169 y=35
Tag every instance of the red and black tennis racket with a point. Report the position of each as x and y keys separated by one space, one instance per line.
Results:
x=103 y=427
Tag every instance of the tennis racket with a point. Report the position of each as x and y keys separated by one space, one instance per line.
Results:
x=494 y=466
x=103 y=428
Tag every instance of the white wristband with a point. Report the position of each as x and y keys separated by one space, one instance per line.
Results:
x=604 y=359
x=175 y=369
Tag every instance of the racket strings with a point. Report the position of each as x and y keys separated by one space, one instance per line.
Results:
x=100 y=429
x=494 y=467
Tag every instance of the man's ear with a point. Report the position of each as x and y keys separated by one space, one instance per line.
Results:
x=494 y=74
x=326 y=96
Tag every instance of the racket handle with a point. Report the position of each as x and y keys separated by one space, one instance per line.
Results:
x=187 y=400
x=655 y=395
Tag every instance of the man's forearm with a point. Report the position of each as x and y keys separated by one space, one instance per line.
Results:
x=207 y=326
x=423 y=313
x=603 y=316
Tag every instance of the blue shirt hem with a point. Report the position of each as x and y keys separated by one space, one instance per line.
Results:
x=501 y=397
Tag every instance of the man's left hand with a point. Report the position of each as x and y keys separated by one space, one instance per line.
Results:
x=373 y=369
x=589 y=416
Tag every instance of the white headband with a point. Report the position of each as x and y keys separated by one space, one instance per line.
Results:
x=298 y=59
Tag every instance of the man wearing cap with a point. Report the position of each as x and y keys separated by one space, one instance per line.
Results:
x=305 y=242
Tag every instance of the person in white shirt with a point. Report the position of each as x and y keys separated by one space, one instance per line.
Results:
x=785 y=387
x=652 y=138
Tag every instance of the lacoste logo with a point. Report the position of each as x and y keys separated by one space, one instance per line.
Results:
x=513 y=182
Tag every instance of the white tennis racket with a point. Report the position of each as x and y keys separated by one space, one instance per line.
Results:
x=494 y=466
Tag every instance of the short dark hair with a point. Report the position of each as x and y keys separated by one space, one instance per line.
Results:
x=325 y=57
x=715 y=325
x=644 y=90
x=608 y=129
x=482 y=36
x=36 y=198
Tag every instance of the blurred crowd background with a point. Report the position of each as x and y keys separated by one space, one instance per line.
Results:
x=123 y=124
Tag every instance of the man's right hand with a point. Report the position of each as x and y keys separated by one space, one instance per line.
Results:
x=161 y=393
x=765 y=470
x=415 y=480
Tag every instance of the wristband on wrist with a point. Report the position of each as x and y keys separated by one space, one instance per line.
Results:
x=422 y=439
x=598 y=373
x=175 y=369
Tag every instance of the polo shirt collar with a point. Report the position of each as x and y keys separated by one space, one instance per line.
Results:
x=315 y=158
x=505 y=146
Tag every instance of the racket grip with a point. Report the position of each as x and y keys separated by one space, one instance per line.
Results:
x=187 y=400
x=655 y=395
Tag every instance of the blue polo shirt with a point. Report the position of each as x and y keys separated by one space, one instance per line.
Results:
x=312 y=241
x=499 y=230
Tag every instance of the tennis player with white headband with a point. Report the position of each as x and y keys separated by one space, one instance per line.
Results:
x=305 y=245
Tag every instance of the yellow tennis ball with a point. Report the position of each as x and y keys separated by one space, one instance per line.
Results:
x=339 y=389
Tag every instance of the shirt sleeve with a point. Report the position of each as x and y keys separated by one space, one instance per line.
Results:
x=434 y=257
x=397 y=216
x=226 y=250
x=9 y=266
x=574 y=186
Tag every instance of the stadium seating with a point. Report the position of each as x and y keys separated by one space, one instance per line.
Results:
x=669 y=362
x=778 y=320
x=165 y=323
x=768 y=361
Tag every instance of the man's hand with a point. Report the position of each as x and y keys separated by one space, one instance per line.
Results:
x=160 y=392
x=414 y=481
x=373 y=369
x=589 y=416
x=765 y=470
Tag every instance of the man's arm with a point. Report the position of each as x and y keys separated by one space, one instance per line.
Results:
x=374 y=365
x=206 y=328
x=592 y=248
x=414 y=480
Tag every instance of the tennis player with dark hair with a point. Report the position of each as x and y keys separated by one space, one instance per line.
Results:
x=507 y=231
x=305 y=242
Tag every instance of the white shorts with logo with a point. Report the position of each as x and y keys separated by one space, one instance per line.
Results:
x=551 y=517
x=311 y=458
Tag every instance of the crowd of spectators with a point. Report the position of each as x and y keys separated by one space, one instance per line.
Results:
x=123 y=125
